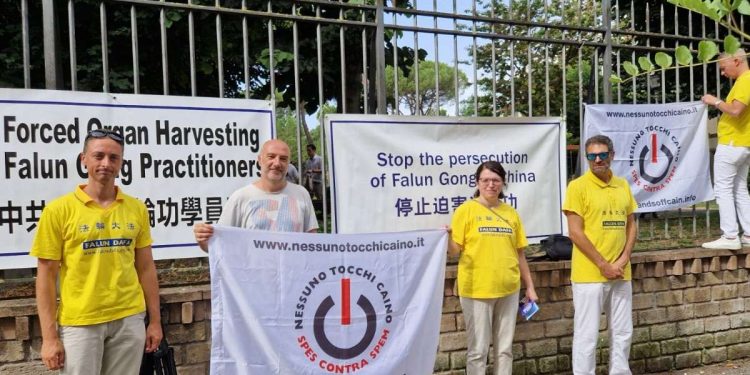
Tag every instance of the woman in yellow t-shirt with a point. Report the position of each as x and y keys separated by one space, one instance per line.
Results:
x=489 y=236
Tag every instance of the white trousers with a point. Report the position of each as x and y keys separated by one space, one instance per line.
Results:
x=114 y=347
x=730 y=185
x=490 y=319
x=589 y=299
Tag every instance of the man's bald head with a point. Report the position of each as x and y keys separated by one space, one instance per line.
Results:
x=273 y=143
x=738 y=54
x=274 y=162
x=734 y=64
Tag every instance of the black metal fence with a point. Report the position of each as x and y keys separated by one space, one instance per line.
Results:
x=409 y=57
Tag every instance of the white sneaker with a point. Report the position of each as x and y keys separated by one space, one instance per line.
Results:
x=745 y=240
x=724 y=243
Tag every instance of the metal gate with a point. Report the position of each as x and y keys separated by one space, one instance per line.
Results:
x=411 y=57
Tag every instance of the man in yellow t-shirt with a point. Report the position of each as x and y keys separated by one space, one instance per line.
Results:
x=599 y=207
x=98 y=241
x=732 y=157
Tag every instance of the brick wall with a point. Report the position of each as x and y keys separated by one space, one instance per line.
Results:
x=690 y=307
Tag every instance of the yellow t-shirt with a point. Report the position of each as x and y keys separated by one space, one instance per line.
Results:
x=604 y=208
x=488 y=265
x=735 y=131
x=96 y=249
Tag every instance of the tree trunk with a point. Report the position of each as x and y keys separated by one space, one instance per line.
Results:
x=303 y=122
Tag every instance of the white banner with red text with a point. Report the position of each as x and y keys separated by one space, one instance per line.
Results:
x=300 y=303
x=393 y=173
x=183 y=157
x=661 y=149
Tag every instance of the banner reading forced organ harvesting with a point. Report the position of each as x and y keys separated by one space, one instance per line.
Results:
x=183 y=158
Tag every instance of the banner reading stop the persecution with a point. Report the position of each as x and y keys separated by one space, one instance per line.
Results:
x=183 y=158
x=661 y=149
x=392 y=173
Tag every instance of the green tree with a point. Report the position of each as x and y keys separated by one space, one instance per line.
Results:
x=257 y=85
x=286 y=130
x=527 y=78
x=727 y=13
x=429 y=99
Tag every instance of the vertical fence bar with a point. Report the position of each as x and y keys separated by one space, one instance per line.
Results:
x=52 y=73
x=607 y=58
x=691 y=94
x=632 y=54
x=321 y=102
x=271 y=62
x=529 y=64
x=164 y=55
x=219 y=51
x=663 y=94
x=617 y=54
x=494 y=59
x=563 y=76
x=648 y=54
x=134 y=44
x=474 y=55
x=72 y=45
x=455 y=58
x=25 y=44
x=581 y=106
x=298 y=103
x=691 y=71
x=245 y=52
x=191 y=51
x=717 y=73
x=595 y=70
x=105 y=46
x=647 y=11
x=437 y=61
x=365 y=76
x=512 y=32
x=342 y=60
x=677 y=70
x=418 y=98
x=546 y=61
x=380 y=58
x=705 y=88
x=396 y=69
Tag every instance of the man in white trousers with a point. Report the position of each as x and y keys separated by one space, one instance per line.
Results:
x=599 y=207
x=732 y=157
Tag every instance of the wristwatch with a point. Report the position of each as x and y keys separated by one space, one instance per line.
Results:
x=718 y=101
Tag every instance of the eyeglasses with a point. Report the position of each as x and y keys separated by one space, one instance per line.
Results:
x=591 y=156
x=486 y=181
x=105 y=133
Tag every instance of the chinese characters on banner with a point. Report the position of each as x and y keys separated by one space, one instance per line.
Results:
x=392 y=173
x=183 y=158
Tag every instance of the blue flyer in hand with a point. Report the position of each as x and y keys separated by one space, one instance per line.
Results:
x=528 y=308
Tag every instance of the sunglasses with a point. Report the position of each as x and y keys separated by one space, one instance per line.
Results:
x=105 y=133
x=591 y=156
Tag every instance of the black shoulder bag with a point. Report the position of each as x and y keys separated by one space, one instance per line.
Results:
x=557 y=247
x=161 y=361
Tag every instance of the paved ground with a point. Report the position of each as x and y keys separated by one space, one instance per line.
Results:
x=739 y=367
